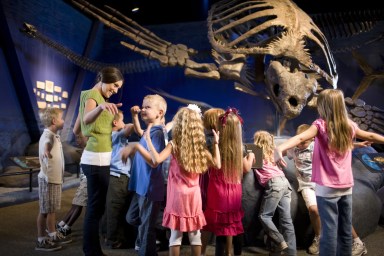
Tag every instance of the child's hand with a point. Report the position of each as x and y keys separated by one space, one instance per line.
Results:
x=127 y=151
x=216 y=136
x=135 y=110
x=362 y=144
x=278 y=156
x=147 y=133
x=48 y=155
x=251 y=156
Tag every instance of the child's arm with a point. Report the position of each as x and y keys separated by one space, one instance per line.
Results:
x=369 y=136
x=131 y=149
x=47 y=150
x=308 y=134
x=81 y=140
x=216 y=150
x=135 y=110
x=128 y=130
x=248 y=162
x=362 y=144
x=156 y=158
x=169 y=126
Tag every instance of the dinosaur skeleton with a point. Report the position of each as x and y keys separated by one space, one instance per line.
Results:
x=239 y=30
x=84 y=62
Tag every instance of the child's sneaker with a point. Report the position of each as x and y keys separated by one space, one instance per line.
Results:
x=359 y=249
x=47 y=245
x=282 y=246
x=60 y=239
x=64 y=231
x=314 y=248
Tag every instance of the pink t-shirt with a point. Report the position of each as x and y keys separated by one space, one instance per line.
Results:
x=329 y=168
x=269 y=171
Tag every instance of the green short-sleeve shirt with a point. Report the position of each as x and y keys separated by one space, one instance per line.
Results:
x=99 y=132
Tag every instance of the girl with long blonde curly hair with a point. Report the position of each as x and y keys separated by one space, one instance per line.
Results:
x=190 y=157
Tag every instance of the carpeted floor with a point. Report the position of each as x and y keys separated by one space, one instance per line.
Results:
x=18 y=232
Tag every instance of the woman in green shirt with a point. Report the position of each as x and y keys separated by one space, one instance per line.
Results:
x=96 y=115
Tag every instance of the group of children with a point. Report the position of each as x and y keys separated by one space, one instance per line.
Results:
x=204 y=183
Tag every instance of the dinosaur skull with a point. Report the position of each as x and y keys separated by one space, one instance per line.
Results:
x=289 y=91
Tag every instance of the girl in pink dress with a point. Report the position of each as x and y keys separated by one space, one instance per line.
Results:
x=224 y=212
x=190 y=157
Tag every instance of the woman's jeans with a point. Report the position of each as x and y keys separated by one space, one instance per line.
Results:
x=97 y=187
x=336 y=225
x=277 y=195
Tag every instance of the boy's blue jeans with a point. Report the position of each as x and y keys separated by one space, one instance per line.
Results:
x=336 y=225
x=143 y=213
x=277 y=195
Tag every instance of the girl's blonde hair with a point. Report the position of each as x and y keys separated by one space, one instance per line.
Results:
x=231 y=146
x=331 y=108
x=48 y=114
x=264 y=140
x=211 y=118
x=188 y=138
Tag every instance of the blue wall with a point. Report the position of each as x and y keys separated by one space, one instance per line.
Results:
x=64 y=24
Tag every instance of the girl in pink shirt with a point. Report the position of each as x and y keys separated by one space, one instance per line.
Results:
x=334 y=133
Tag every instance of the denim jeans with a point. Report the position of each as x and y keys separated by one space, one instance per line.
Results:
x=143 y=213
x=277 y=195
x=336 y=225
x=97 y=187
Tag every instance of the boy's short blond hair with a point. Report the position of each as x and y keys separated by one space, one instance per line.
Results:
x=117 y=116
x=301 y=128
x=48 y=114
x=158 y=101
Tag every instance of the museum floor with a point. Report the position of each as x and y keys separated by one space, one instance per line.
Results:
x=18 y=228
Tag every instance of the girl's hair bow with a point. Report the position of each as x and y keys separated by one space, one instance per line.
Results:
x=223 y=117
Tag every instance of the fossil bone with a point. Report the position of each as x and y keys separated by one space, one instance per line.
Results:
x=369 y=118
x=238 y=30
x=370 y=75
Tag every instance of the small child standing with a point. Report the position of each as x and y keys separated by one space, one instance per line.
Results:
x=210 y=121
x=302 y=157
x=277 y=195
x=80 y=199
x=190 y=158
x=118 y=195
x=50 y=180
x=224 y=210
x=334 y=133
x=147 y=180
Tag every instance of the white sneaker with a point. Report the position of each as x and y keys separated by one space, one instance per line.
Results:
x=314 y=248
x=359 y=249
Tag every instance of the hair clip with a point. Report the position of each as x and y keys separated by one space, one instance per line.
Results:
x=223 y=117
x=194 y=107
